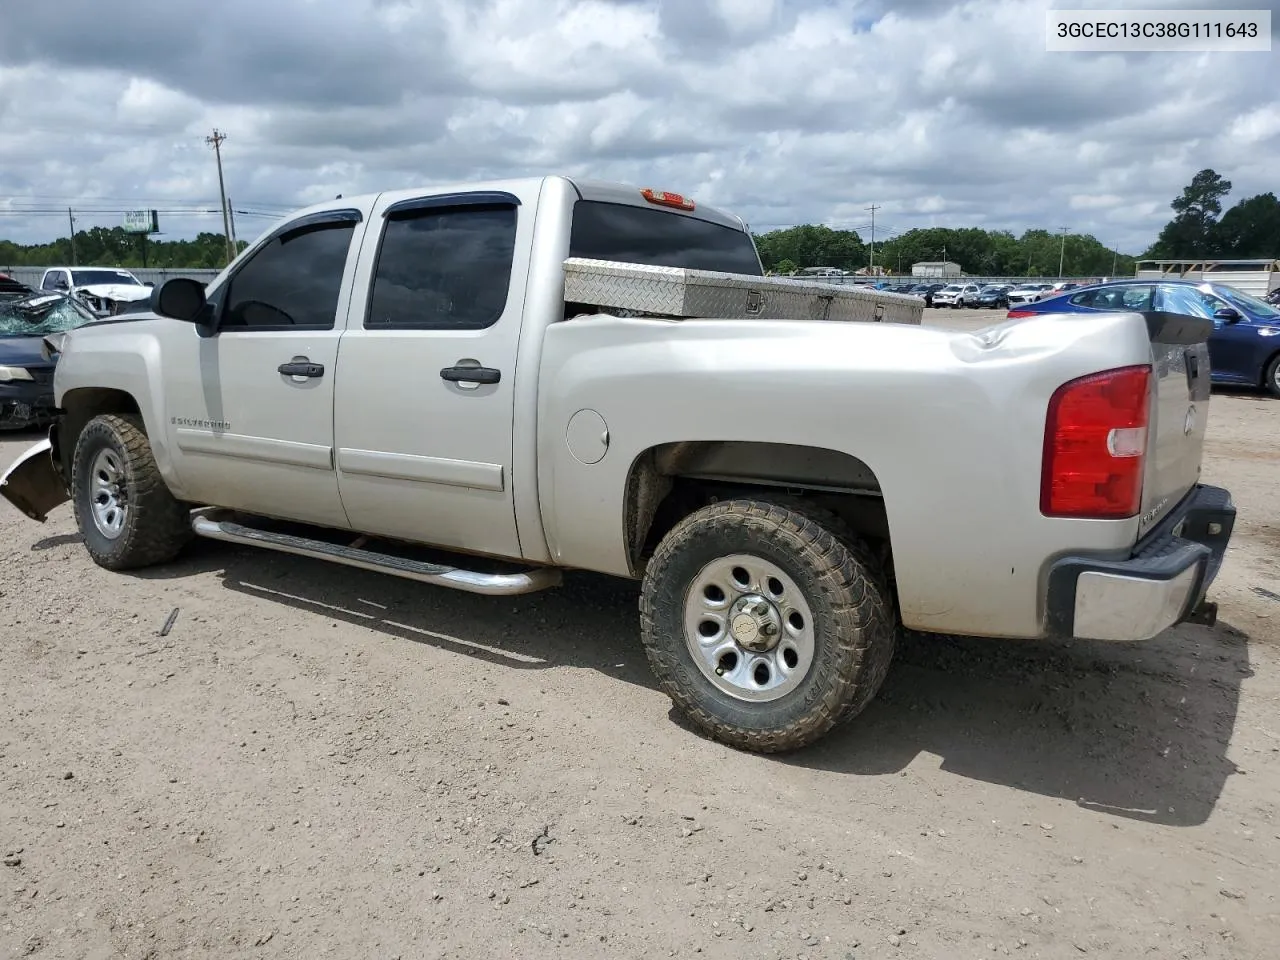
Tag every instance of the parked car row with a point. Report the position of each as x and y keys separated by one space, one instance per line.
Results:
x=1244 y=348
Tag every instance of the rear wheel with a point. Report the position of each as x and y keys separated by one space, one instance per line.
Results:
x=766 y=625
x=1272 y=378
x=125 y=512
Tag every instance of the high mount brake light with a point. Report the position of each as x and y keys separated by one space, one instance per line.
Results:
x=1095 y=445
x=664 y=198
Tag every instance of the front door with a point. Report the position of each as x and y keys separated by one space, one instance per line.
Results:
x=427 y=369
x=252 y=429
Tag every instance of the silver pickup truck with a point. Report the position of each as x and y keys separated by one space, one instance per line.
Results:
x=549 y=374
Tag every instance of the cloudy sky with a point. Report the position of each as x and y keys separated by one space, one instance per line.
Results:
x=786 y=111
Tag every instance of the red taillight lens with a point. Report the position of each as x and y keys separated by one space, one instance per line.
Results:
x=1095 y=445
x=1019 y=314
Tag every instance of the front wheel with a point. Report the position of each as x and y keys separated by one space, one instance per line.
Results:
x=766 y=625
x=126 y=514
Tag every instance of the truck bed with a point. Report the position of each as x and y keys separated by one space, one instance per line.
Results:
x=677 y=292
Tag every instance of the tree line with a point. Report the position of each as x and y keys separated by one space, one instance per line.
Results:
x=113 y=247
x=991 y=253
x=1199 y=229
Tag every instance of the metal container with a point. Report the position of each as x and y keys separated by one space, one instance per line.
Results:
x=643 y=290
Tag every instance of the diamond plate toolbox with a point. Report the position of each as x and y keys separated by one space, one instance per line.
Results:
x=679 y=292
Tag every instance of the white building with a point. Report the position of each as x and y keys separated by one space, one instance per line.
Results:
x=1258 y=277
x=938 y=268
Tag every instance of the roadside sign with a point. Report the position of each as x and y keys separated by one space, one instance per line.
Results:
x=141 y=221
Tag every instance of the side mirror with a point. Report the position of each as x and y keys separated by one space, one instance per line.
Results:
x=1227 y=314
x=180 y=298
x=149 y=283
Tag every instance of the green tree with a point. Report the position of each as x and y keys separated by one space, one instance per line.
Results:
x=1251 y=229
x=1193 y=232
x=812 y=245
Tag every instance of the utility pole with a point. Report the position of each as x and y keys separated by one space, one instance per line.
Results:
x=217 y=140
x=1062 y=251
x=72 y=220
x=231 y=211
x=873 y=208
x=1115 y=257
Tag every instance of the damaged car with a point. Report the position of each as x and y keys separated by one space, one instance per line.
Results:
x=107 y=291
x=27 y=361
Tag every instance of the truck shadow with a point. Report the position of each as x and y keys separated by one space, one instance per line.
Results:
x=1140 y=731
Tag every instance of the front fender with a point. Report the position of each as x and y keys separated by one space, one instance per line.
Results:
x=34 y=482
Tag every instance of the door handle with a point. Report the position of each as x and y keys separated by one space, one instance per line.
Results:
x=461 y=374
x=301 y=368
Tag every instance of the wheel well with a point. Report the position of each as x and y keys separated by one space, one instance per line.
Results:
x=81 y=406
x=671 y=481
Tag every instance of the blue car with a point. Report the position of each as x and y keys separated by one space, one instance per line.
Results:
x=1244 y=348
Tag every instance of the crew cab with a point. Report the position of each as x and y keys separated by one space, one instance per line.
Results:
x=420 y=368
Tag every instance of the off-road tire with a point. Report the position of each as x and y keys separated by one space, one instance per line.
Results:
x=157 y=526
x=847 y=591
x=1271 y=379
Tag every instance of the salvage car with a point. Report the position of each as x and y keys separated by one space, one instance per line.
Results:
x=11 y=289
x=551 y=374
x=1029 y=293
x=994 y=296
x=106 y=291
x=26 y=368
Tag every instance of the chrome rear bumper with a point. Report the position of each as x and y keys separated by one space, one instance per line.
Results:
x=1162 y=583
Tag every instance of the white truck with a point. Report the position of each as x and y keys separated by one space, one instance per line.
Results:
x=532 y=376
x=106 y=291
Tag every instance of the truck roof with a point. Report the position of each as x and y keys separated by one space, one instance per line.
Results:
x=604 y=191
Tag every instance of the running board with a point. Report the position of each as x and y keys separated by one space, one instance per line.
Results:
x=470 y=581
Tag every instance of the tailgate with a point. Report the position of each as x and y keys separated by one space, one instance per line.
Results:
x=1179 y=412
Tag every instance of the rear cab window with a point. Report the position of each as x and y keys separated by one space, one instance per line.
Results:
x=623 y=233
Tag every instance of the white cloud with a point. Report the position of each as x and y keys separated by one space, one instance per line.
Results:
x=786 y=111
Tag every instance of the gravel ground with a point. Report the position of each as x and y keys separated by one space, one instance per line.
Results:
x=319 y=762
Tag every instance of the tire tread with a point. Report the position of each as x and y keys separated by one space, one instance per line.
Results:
x=158 y=526
x=853 y=582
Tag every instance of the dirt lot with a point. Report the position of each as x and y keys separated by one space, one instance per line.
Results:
x=318 y=762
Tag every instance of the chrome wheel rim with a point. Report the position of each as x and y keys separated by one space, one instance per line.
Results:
x=749 y=628
x=107 y=495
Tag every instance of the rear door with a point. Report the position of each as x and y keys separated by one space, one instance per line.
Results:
x=426 y=376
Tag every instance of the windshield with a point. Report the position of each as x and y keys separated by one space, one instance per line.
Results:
x=1246 y=303
x=950 y=288
x=41 y=316
x=85 y=278
x=622 y=233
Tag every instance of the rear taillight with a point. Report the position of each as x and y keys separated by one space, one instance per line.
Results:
x=1019 y=314
x=1095 y=444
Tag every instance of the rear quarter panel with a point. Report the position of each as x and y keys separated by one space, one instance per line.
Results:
x=952 y=425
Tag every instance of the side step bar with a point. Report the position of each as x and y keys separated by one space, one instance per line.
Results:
x=470 y=581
